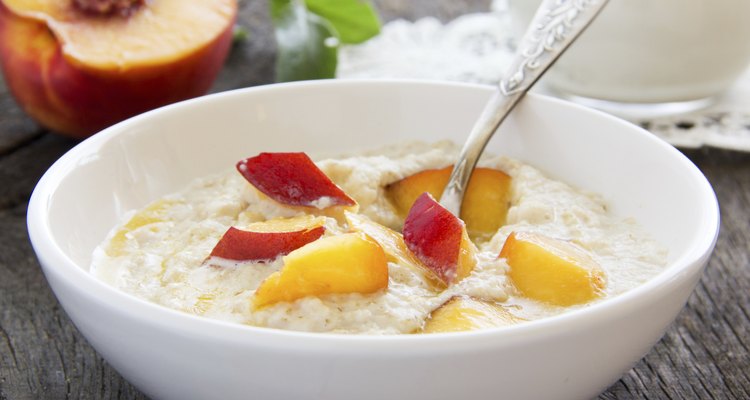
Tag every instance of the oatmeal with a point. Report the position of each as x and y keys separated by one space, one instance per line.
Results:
x=162 y=253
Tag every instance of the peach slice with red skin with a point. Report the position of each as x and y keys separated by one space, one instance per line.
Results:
x=461 y=313
x=485 y=204
x=439 y=240
x=552 y=270
x=293 y=179
x=78 y=66
x=264 y=241
x=348 y=263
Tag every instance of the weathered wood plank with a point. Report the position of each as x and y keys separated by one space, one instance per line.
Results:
x=16 y=128
x=705 y=352
x=43 y=355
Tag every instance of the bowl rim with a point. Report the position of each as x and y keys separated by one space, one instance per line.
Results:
x=54 y=260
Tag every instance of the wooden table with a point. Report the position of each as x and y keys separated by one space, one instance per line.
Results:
x=704 y=354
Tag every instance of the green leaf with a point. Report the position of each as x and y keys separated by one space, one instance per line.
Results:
x=278 y=9
x=354 y=20
x=307 y=43
x=239 y=34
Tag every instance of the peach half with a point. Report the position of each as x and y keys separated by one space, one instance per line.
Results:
x=78 y=66
x=485 y=204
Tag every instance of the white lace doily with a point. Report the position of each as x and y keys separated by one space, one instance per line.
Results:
x=477 y=48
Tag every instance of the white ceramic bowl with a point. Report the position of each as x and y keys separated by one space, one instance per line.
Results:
x=171 y=355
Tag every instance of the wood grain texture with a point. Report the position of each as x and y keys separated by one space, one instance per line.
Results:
x=704 y=354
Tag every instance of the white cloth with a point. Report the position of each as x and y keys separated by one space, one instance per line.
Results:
x=478 y=47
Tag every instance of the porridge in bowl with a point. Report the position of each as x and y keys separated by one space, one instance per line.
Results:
x=353 y=245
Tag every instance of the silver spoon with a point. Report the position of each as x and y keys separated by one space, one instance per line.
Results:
x=556 y=24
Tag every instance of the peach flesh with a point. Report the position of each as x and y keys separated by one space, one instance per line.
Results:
x=467 y=314
x=394 y=246
x=552 y=271
x=348 y=263
x=485 y=204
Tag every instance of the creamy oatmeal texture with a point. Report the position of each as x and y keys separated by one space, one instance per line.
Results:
x=159 y=253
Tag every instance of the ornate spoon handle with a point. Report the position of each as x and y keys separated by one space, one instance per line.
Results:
x=555 y=26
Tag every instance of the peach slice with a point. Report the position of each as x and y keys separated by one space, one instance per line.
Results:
x=264 y=241
x=467 y=314
x=485 y=204
x=348 y=263
x=394 y=246
x=78 y=66
x=292 y=224
x=403 y=193
x=438 y=239
x=551 y=270
x=293 y=179
x=153 y=213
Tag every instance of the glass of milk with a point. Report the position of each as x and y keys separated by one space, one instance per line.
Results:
x=651 y=57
